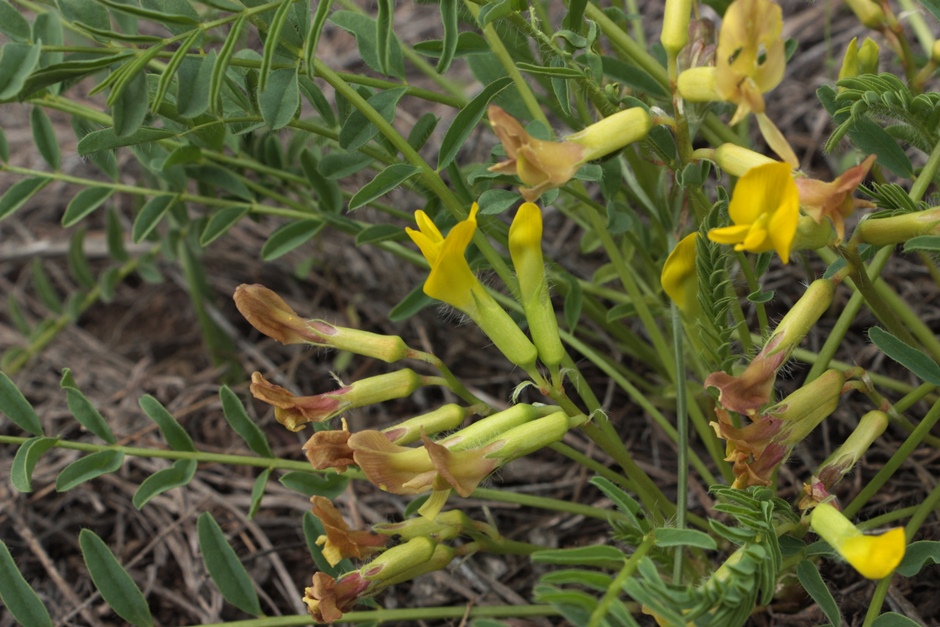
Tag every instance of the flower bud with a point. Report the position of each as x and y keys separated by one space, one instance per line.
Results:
x=802 y=316
x=737 y=160
x=868 y=12
x=441 y=419
x=543 y=165
x=935 y=52
x=522 y=440
x=874 y=557
x=758 y=448
x=525 y=248
x=868 y=56
x=452 y=281
x=849 y=67
x=612 y=133
x=675 y=33
x=398 y=559
x=440 y=559
x=699 y=84
x=844 y=458
x=295 y=411
x=805 y=408
x=493 y=426
x=752 y=389
x=898 y=229
x=679 y=278
x=811 y=235
x=267 y=312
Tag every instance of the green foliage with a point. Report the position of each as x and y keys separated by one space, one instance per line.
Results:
x=232 y=111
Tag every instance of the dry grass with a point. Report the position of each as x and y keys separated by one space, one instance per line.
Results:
x=147 y=341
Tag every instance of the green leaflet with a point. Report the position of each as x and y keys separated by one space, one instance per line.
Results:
x=19 y=598
x=87 y=468
x=225 y=568
x=112 y=581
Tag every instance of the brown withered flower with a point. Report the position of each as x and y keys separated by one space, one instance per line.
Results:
x=340 y=541
x=328 y=599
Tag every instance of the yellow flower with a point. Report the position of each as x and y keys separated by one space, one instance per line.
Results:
x=453 y=282
x=875 y=557
x=751 y=59
x=765 y=209
x=679 y=278
x=525 y=248
x=451 y=279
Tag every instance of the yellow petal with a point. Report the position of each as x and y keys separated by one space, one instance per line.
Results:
x=775 y=139
x=729 y=234
x=758 y=191
x=427 y=226
x=428 y=248
x=679 y=279
x=875 y=557
x=783 y=223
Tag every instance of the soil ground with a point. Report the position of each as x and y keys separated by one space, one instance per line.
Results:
x=146 y=340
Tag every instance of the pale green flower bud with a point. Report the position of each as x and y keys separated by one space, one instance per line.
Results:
x=737 y=160
x=520 y=441
x=868 y=12
x=399 y=559
x=525 y=248
x=612 y=133
x=868 y=55
x=441 y=419
x=492 y=427
x=675 y=33
x=899 y=229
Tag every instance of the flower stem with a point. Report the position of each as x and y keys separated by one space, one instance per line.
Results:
x=615 y=589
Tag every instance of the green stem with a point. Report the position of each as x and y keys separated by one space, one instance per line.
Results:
x=753 y=286
x=429 y=175
x=641 y=400
x=923 y=511
x=926 y=176
x=877 y=601
x=887 y=518
x=628 y=280
x=505 y=59
x=863 y=283
x=682 y=442
x=206 y=457
x=453 y=383
x=892 y=465
x=847 y=317
x=592 y=465
x=404 y=615
x=615 y=589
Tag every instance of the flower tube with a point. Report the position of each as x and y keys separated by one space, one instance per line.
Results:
x=874 y=557
x=452 y=281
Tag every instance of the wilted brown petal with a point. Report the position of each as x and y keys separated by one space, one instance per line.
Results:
x=340 y=541
x=329 y=449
